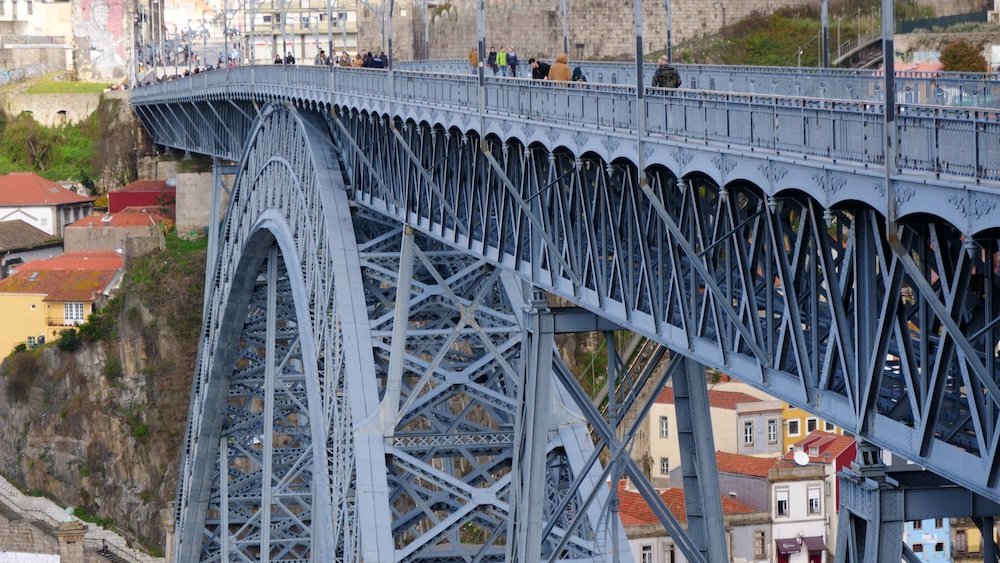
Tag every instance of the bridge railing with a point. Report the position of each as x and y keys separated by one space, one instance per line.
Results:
x=935 y=139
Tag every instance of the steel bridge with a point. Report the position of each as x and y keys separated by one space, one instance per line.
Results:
x=377 y=378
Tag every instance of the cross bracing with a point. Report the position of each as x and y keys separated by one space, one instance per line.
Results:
x=783 y=273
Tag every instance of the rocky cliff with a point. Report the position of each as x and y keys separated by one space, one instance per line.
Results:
x=100 y=426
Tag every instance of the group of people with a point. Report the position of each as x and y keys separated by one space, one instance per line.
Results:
x=666 y=75
x=361 y=60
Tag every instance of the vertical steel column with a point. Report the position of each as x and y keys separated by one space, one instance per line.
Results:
x=825 y=40
x=524 y=535
x=702 y=495
x=270 y=359
x=213 y=232
x=986 y=527
x=565 y=26
x=867 y=300
x=670 y=43
x=401 y=320
x=614 y=418
x=870 y=526
x=224 y=497
x=889 y=110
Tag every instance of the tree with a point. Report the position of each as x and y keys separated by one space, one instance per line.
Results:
x=962 y=56
x=27 y=143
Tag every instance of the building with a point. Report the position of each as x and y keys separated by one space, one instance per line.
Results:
x=131 y=234
x=760 y=428
x=145 y=194
x=41 y=203
x=799 y=423
x=746 y=530
x=309 y=25
x=21 y=243
x=47 y=296
x=664 y=447
x=966 y=541
x=831 y=453
x=929 y=539
x=800 y=513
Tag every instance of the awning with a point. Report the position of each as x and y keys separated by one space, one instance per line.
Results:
x=788 y=546
x=814 y=543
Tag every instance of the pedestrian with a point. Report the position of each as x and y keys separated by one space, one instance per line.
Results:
x=666 y=75
x=345 y=59
x=512 y=62
x=289 y=59
x=359 y=61
x=539 y=70
x=474 y=59
x=560 y=70
x=369 y=61
x=502 y=60
x=320 y=58
x=578 y=75
x=382 y=61
x=491 y=60
x=277 y=60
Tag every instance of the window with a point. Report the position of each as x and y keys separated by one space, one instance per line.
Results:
x=73 y=313
x=939 y=547
x=760 y=544
x=828 y=426
x=781 y=502
x=918 y=524
x=647 y=554
x=918 y=548
x=671 y=554
x=664 y=427
x=772 y=431
x=815 y=504
x=664 y=465
x=31 y=7
x=748 y=433
x=793 y=427
x=1 y=7
x=31 y=342
x=938 y=522
x=961 y=542
x=811 y=425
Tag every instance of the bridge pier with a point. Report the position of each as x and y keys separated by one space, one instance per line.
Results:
x=870 y=526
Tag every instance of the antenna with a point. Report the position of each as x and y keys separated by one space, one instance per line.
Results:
x=801 y=458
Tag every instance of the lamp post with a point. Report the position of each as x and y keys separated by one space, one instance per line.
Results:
x=670 y=46
x=565 y=27
x=825 y=41
x=889 y=111
x=798 y=58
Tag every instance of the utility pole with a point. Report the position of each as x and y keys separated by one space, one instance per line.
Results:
x=670 y=45
x=565 y=26
x=825 y=40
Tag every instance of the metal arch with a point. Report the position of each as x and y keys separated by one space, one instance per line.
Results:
x=284 y=198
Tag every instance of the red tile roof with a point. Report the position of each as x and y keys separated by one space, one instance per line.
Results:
x=116 y=220
x=78 y=261
x=70 y=277
x=25 y=188
x=148 y=186
x=717 y=399
x=743 y=464
x=634 y=510
x=829 y=446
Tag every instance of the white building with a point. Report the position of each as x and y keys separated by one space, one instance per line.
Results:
x=664 y=447
x=800 y=513
x=41 y=203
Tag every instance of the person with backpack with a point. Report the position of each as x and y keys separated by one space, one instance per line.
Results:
x=666 y=75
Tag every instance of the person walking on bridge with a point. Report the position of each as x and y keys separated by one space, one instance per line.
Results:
x=474 y=59
x=560 y=71
x=512 y=62
x=502 y=60
x=666 y=75
x=539 y=69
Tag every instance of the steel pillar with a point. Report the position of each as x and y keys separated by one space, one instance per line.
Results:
x=702 y=495
x=870 y=526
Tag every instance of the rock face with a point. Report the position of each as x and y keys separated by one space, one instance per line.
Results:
x=100 y=427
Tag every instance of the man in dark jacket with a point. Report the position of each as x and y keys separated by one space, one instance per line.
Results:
x=666 y=76
x=539 y=70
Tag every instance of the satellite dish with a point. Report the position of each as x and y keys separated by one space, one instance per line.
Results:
x=801 y=458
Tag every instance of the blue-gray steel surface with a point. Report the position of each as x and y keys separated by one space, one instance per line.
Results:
x=932 y=139
x=923 y=87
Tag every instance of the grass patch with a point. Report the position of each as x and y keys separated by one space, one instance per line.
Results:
x=50 y=86
x=87 y=516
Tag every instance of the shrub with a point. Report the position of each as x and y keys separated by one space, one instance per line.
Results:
x=112 y=368
x=69 y=340
x=962 y=56
x=20 y=371
x=22 y=347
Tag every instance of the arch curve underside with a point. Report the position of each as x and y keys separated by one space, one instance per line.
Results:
x=289 y=453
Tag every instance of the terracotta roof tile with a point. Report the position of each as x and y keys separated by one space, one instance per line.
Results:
x=635 y=511
x=718 y=399
x=830 y=446
x=115 y=220
x=16 y=235
x=743 y=464
x=78 y=261
x=147 y=186
x=78 y=276
x=25 y=188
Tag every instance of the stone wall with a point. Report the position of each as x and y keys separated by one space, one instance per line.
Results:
x=194 y=201
x=598 y=29
x=52 y=110
x=133 y=241
x=21 y=536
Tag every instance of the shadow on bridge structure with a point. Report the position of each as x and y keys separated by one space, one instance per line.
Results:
x=377 y=378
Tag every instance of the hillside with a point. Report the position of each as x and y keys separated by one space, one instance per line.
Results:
x=100 y=426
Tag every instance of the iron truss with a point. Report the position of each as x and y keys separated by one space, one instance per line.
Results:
x=322 y=428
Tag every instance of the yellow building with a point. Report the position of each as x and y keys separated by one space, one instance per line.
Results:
x=47 y=296
x=797 y=424
x=966 y=541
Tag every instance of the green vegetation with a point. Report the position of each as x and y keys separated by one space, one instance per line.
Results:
x=83 y=513
x=50 y=86
x=69 y=340
x=962 y=56
x=112 y=368
x=63 y=153
x=20 y=370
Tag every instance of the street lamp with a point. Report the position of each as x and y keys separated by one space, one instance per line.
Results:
x=798 y=58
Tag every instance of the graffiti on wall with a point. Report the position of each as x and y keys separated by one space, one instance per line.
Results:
x=101 y=34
